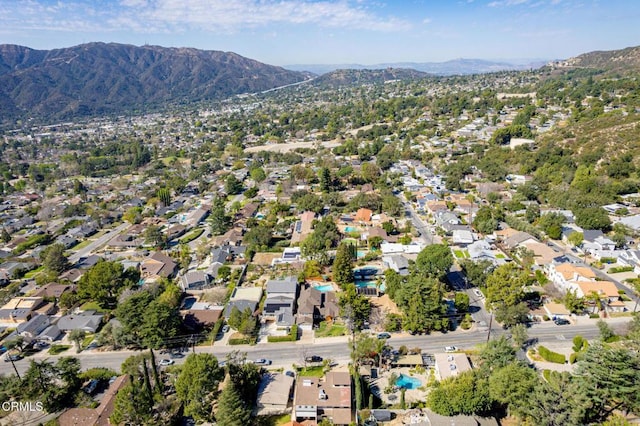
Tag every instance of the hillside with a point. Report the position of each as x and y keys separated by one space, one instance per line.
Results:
x=99 y=78
x=611 y=60
x=346 y=77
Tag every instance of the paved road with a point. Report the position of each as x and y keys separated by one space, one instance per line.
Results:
x=425 y=230
x=97 y=243
x=337 y=349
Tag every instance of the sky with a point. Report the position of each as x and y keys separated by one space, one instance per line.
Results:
x=367 y=32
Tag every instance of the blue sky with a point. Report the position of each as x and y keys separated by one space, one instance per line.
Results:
x=283 y=32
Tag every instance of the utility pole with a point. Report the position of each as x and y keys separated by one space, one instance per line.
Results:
x=489 y=331
x=14 y=366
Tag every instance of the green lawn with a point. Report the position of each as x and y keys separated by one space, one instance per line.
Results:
x=81 y=245
x=500 y=256
x=33 y=273
x=461 y=254
x=91 y=306
x=326 y=330
x=56 y=349
x=317 y=371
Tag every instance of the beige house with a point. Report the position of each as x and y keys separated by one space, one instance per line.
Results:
x=329 y=398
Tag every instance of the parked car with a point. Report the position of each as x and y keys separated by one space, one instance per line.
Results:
x=478 y=293
x=12 y=357
x=290 y=373
x=262 y=361
x=174 y=355
x=384 y=335
x=91 y=386
x=561 y=321
x=165 y=362
x=313 y=358
x=226 y=328
x=451 y=349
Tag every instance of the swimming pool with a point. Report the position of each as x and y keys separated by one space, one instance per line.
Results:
x=408 y=382
x=350 y=229
x=324 y=288
x=369 y=284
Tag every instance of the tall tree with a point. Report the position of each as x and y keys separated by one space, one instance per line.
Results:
x=104 y=282
x=232 y=410
x=54 y=259
x=435 y=261
x=197 y=386
x=219 y=221
x=343 y=265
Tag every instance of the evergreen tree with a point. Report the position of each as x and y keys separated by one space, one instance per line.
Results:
x=343 y=265
x=232 y=410
x=219 y=221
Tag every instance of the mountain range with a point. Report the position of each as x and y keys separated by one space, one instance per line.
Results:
x=112 y=79
x=100 y=78
x=453 y=67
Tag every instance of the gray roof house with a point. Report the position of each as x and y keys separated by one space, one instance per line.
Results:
x=194 y=280
x=32 y=328
x=398 y=263
x=88 y=323
x=281 y=300
x=49 y=334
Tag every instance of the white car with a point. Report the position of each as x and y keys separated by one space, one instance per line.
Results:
x=165 y=362
x=262 y=361
x=478 y=293
x=450 y=349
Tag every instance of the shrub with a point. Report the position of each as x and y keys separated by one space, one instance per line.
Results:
x=191 y=236
x=241 y=340
x=615 y=270
x=56 y=349
x=545 y=318
x=291 y=337
x=100 y=373
x=549 y=355
x=572 y=358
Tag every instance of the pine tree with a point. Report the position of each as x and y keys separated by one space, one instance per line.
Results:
x=342 y=266
x=232 y=411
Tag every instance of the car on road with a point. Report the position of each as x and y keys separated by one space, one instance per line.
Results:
x=384 y=335
x=561 y=321
x=175 y=354
x=290 y=373
x=12 y=357
x=313 y=358
x=451 y=349
x=165 y=362
x=262 y=361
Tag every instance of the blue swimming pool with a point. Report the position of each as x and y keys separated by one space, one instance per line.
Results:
x=350 y=229
x=408 y=382
x=370 y=284
x=324 y=288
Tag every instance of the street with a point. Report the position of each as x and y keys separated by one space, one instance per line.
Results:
x=99 y=242
x=284 y=355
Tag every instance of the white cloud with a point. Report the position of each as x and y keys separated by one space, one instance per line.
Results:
x=427 y=21
x=506 y=3
x=177 y=16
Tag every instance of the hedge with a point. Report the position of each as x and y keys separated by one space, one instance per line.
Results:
x=241 y=341
x=573 y=357
x=191 y=236
x=549 y=355
x=291 y=337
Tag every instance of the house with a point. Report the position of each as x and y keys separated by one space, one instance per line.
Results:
x=67 y=241
x=564 y=273
x=87 y=262
x=158 y=265
x=232 y=237
x=98 y=416
x=363 y=215
x=197 y=315
x=302 y=227
x=20 y=309
x=289 y=255
x=315 y=306
x=462 y=237
x=54 y=290
x=281 y=299
x=32 y=328
x=396 y=248
x=630 y=258
x=195 y=217
x=518 y=238
x=274 y=392
x=605 y=290
x=451 y=364
x=556 y=310
x=329 y=398
x=244 y=298
x=86 y=322
x=194 y=280
x=398 y=263
x=598 y=244
x=379 y=232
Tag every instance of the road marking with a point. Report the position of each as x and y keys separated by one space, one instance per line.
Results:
x=560 y=337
